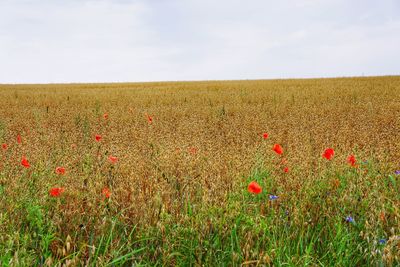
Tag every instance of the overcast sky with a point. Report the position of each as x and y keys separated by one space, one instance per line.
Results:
x=47 y=41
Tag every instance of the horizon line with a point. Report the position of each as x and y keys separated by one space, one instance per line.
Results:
x=199 y=81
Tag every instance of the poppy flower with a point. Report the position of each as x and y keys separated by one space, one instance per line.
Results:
x=105 y=116
x=328 y=153
x=336 y=183
x=278 y=149
x=112 y=159
x=25 y=162
x=149 y=119
x=106 y=192
x=254 y=188
x=4 y=146
x=60 y=170
x=265 y=135
x=286 y=169
x=352 y=160
x=56 y=191
x=19 y=139
x=98 y=137
x=382 y=216
x=193 y=150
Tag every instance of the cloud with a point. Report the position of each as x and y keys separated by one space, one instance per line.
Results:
x=137 y=40
x=79 y=41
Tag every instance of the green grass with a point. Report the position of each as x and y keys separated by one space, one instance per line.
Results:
x=303 y=228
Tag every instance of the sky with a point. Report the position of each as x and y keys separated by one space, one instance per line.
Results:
x=68 y=41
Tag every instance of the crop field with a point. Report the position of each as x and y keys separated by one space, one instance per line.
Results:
x=216 y=173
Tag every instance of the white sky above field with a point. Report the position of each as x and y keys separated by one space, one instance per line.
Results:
x=46 y=41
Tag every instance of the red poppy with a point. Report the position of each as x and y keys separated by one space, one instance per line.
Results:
x=329 y=153
x=193 y=150
x=98 y=137
x=56 y=191
x=105 y=116
x=382 y=216
x=278 y=149
x=25 y=162
x=4 y=146
x=286 y=169
x=60 y=170
x=254 y=188
x=112 y=159
x=265 y=135
x=19 y=139
x=352 y=160
x=336 y=183
x=106 y=192
x=149 y=119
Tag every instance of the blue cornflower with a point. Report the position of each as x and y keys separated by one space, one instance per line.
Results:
x=272 y=197
x=350 y=219
x=397 y=172
x=382 y=241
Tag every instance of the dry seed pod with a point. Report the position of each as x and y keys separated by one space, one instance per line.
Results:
x=49 y=261
x=59 y=252
x=266 y=259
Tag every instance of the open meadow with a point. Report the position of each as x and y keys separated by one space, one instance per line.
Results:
x=216 y=173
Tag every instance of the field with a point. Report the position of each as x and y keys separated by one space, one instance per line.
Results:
x=161 y=173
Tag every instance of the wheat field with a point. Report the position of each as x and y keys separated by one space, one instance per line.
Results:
x=158 y=173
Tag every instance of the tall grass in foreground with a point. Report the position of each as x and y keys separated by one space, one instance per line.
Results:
x=339 y=218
